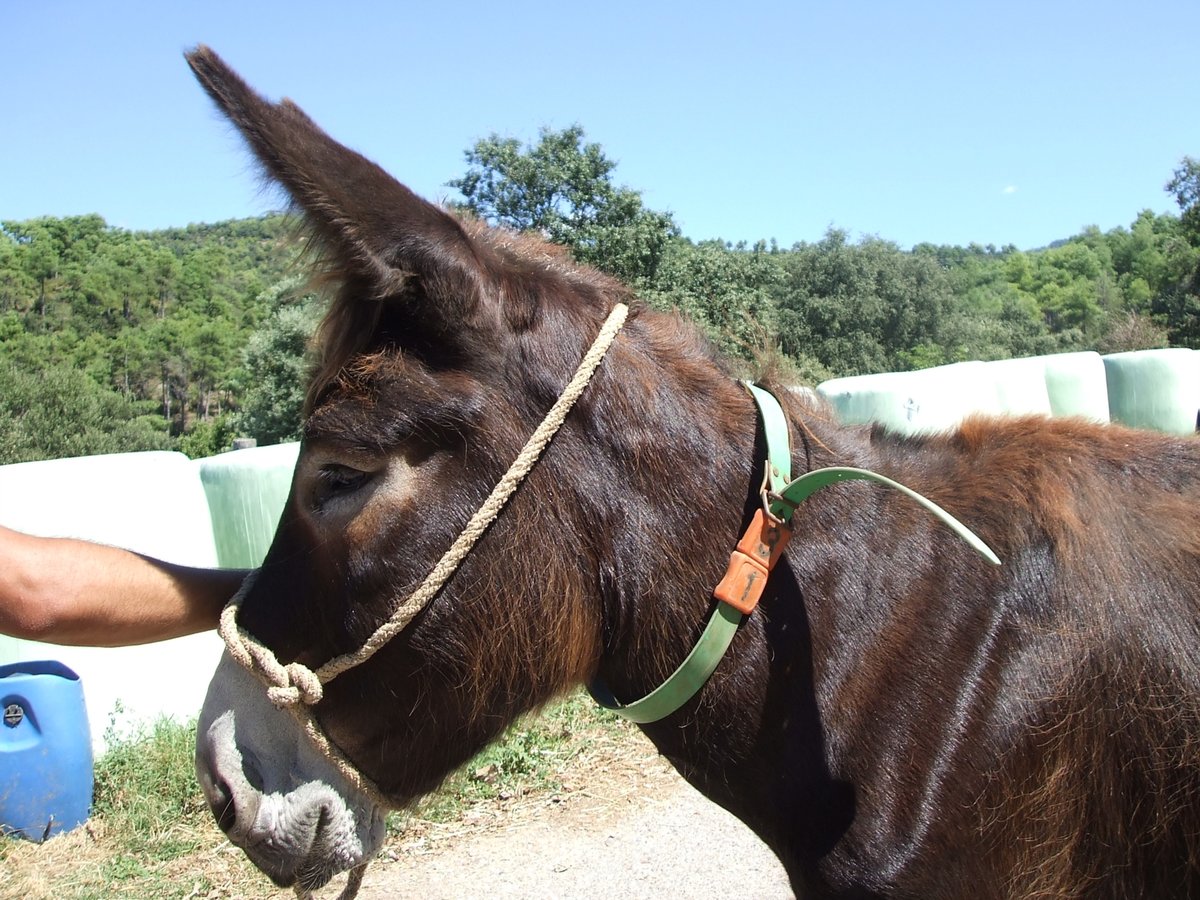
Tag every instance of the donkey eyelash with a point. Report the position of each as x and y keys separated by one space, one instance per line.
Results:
x=337 y=478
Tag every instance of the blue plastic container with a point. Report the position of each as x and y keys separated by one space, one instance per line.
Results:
x=45 y=750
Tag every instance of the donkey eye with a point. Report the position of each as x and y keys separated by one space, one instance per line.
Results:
x=334 y=480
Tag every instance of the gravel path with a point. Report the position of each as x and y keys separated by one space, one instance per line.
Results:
x=648 y=836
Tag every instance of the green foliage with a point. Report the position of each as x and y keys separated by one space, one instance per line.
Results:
x=155 y=320
x=1185 y=187
x=562 y=188
x=61 y=412
x=729 y=291
x=1179 y=311
x=208 y=438
x=276 y=363
x=859 y=307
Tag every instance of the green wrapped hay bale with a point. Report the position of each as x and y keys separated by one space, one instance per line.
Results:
x=151 y=503
x=1158 y=389
x=1077 y=385
x=920 y=402
x=246 y=492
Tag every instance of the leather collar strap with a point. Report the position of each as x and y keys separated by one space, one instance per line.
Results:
x=750 y=564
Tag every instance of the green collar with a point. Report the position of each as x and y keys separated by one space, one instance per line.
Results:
x=781 y=496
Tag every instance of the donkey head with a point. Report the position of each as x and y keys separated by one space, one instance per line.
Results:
x=444 y=345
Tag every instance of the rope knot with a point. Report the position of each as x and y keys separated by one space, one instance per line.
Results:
x=299 y=684
x=287 y=686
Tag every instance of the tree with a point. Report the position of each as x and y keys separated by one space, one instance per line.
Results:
x=59 y=412
x=165 y=270
x=277 y=366
x=15 y=283
x=1180 y=307
x=861 y=307
x=40 y=259
x=1185 y=186
x=563 y=188
x=728 y=291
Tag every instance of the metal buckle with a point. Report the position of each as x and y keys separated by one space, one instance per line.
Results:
x=768 y=496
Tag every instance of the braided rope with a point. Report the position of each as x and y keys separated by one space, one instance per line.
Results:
x=297 y=688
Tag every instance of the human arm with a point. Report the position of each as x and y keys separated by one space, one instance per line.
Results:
x=67 y=591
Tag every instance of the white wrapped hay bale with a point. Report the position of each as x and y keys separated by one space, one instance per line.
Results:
x=1157 y=389
x=920 y=402
x=928 y=400
x=151 y=503
x=148 y=502
x=1019 y=386
x=1059 y=384
x=246 y=492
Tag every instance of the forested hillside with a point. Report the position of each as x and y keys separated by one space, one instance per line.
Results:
x=112 y=340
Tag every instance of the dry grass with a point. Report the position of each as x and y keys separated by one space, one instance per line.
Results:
x=91 y=863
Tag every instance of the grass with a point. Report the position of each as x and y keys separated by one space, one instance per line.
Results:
x=145 y=784
x=531 y=758
x=151 y=834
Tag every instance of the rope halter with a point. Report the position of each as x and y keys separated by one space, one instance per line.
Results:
x=297 y=688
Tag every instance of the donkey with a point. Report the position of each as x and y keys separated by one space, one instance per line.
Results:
x=895 y=718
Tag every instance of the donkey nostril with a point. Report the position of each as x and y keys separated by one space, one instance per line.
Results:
x=223 y=807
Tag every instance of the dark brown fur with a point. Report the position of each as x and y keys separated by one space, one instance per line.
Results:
x=897 y=718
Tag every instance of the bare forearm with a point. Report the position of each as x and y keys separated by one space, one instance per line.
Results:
x=74 y=592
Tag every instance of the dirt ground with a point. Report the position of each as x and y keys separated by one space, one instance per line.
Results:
x=635 y=831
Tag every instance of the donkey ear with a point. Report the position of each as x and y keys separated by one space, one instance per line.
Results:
x=377 y=231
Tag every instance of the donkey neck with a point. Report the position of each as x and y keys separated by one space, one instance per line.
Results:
x=658 y=600
x=658 y=621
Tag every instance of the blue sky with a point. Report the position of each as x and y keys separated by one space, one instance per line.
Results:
x=1006 y=123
